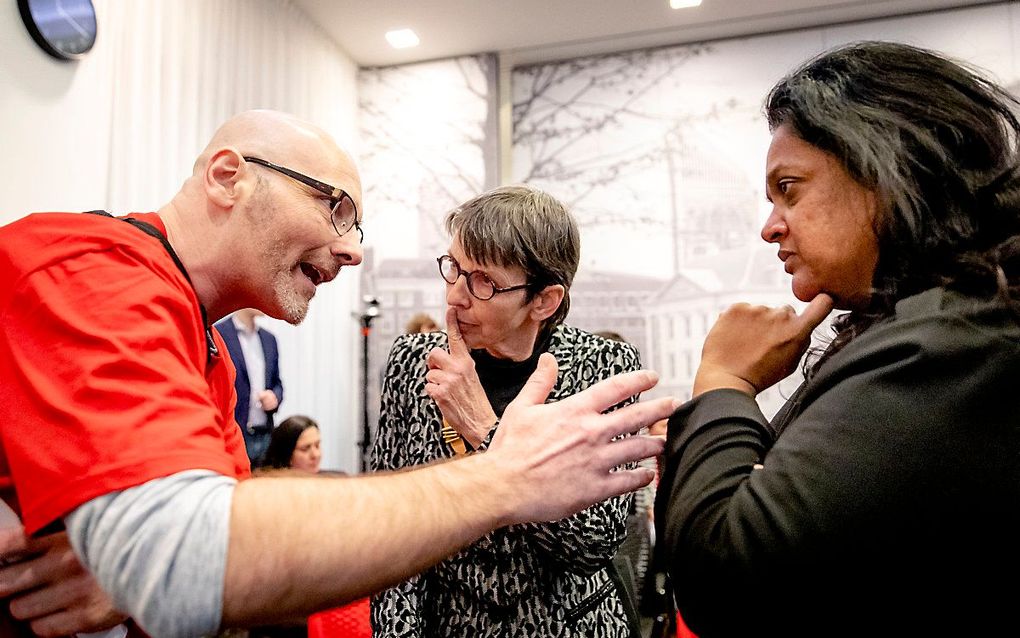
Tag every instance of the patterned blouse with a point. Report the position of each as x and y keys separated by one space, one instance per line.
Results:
x=522 y=581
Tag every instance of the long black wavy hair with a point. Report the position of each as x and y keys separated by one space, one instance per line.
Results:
x=938 y=144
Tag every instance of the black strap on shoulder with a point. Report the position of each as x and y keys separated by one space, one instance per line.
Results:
x=149 y=229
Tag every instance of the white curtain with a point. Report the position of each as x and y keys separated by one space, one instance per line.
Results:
x=181 y=67
x=122 y=127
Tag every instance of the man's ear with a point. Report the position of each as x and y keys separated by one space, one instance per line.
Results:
x=545 y=303
x=224 y=172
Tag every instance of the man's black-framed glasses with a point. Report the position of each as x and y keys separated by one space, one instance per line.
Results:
x=478 y=283
x=343 y=211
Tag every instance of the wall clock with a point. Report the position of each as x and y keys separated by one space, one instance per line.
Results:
x=66 y=29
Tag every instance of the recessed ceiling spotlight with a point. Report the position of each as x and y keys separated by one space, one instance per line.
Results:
x=402 y=38
x=683 y=4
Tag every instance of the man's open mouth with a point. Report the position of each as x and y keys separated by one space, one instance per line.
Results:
x=313 y=273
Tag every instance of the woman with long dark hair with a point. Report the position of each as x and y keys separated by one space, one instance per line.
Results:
x=295 y=444
x=884 y=498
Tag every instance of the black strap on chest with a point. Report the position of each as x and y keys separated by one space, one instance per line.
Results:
x=210 y=344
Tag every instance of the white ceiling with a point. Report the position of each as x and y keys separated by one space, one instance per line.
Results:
x=528 y=31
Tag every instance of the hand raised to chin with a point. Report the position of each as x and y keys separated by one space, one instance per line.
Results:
x=453 y=384
x=753 y=347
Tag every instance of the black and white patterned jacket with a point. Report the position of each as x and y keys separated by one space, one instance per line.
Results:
x=519 y=581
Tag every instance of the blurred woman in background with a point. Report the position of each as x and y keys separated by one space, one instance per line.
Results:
x=295 y=444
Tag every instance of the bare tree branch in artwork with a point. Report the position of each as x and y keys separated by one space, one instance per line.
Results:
x=444 y=178
x=595 y=129
x=567 y=102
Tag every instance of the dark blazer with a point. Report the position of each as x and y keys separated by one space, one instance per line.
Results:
x=242 y=384
x=888 y=502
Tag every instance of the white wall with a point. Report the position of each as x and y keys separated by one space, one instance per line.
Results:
x=120 y=129
x=54 y=125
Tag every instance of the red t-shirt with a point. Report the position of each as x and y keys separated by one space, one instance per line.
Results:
x=104 y=375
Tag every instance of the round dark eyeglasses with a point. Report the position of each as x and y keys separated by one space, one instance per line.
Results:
x=343 y=212
x=478 y=283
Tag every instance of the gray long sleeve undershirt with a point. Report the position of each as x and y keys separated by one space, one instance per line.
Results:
x=160 y=550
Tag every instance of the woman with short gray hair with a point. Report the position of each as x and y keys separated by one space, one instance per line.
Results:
x=508 y=272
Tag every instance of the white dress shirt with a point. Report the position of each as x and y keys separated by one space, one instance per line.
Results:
x=255 y=363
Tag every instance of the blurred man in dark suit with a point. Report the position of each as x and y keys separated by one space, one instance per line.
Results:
x=259 y=390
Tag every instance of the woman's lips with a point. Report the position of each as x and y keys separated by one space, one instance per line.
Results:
x=785 y=257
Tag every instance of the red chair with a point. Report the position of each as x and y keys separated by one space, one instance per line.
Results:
x=681 y=628
x=350 y=621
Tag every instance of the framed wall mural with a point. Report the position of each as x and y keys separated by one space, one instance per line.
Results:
x=660 y=153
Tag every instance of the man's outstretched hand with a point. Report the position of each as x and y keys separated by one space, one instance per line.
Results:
x=568 y=451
